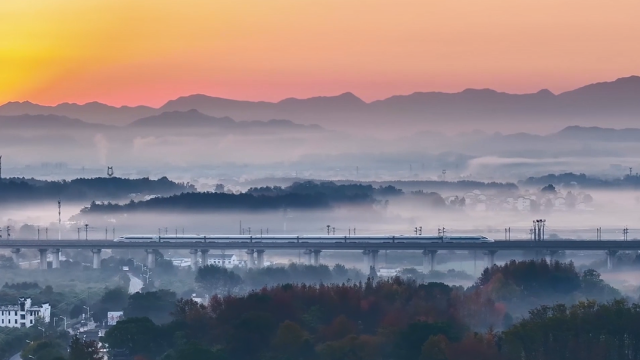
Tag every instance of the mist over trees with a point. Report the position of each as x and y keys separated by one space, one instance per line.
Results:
x=583 y=181
x=305 y=195
x=32 y=190
x=389 y=319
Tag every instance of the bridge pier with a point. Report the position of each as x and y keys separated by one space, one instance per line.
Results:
x=14 y=256
x=429 y=257
x=56 y=258
x=374 y=258
x=490 y=256
x=611 y=258
x=204 y=257
x=96 y=258
x=194 y=259
x=43 y=259
x=367 y=259
x=251 y=260
x=151 y=258
x=309 y=253
x=260 y=256
x=316 y=257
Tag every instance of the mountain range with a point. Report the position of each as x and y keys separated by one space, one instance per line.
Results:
x=169 y=120
x=616 y=102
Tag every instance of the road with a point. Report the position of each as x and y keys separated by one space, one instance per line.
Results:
x=135 y=284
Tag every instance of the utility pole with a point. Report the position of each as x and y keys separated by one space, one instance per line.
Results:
x=46 y=233
x=78 y=233
x=420 y=230
x=86 y=231
x=328 y=229
x=38 y=232
x=59 y=220
x=334 y=230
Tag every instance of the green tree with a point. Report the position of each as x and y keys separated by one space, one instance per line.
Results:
x=255 y=328
x=138 y=336
x=42 y=350
x=435 y=348
x=215 y=279
x=289 y=340
x=156 y=305
x=84 y=350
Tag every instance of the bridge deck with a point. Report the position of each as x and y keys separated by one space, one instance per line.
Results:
x=287 y=244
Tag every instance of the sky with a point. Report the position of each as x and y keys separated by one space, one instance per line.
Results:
x=131 y=52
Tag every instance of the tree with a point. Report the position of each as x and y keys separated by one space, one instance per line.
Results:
x=112 y=300
x=42 y=350
x=570 y=200
x=549 y=189
x=195 y=351
x=84 y=350
x=138 y=336
x=435 y=348
x=76 y=311
x=6 y=262
x=289 y=340
x=255 y=328
x=156 y=305
x=340 y=271
x=215 y=279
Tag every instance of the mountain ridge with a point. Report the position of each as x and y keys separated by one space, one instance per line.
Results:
x=617 y=100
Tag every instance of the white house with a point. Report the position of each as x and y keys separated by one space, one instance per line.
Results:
x=23 y=314
x=226 y=260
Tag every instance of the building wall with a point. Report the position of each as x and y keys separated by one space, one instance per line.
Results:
x=24 y=314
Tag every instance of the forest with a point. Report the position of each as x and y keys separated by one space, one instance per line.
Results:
x=582 y=181
x=393 y=319
x=301 y=196
x=532 y=310
x=85 y=190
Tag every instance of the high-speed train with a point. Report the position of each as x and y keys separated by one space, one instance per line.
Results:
x=307 y=238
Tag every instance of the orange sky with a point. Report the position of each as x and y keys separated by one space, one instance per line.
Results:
x=148 y=51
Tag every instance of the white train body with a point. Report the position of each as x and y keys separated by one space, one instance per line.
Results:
x=307 y=238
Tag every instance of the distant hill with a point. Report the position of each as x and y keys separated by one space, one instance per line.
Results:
x=598 y=134
x=93 y=112
x=46 y=121
x=196 y=119
x=617 y=102
x=174 y=119
x=190 y=118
